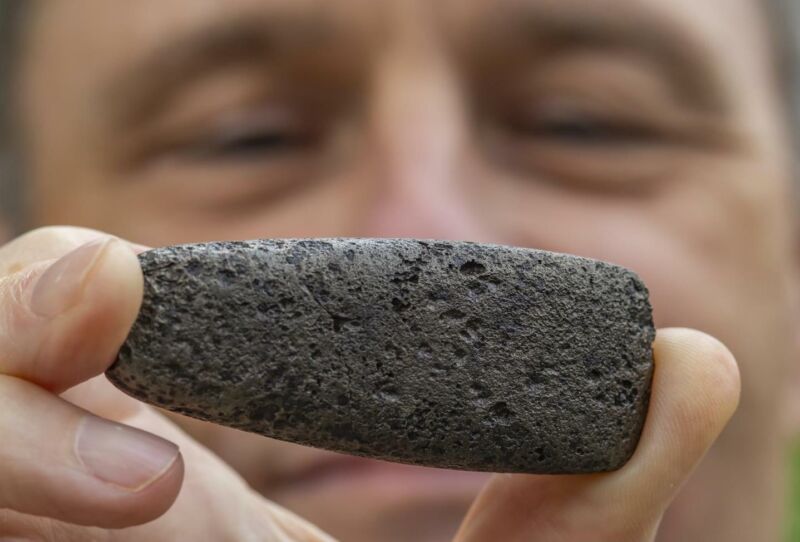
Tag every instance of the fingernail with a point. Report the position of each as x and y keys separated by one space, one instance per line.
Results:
x=120 y=455
x=61 y=285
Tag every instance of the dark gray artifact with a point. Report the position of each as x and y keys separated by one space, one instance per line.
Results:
x=444 y=354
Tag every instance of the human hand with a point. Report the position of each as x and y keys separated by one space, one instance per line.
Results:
x=68 y=475
x=83 y=465
x=695 y=392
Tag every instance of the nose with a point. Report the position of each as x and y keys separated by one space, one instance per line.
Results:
x=417 y=173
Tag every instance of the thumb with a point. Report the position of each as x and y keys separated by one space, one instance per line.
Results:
x=695 y=392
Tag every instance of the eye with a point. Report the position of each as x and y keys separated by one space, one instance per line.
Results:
x=251 y=137
x=586 y=131
x=250 y=144
x=566 y=125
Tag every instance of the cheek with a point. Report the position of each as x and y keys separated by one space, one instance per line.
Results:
x=157 y=214
x=710 y=242
x=720 y=249
x=713 y=244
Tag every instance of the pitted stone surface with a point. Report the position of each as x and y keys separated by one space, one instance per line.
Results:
x=444 y=354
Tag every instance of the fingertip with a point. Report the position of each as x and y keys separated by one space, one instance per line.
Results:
x=704 y=366
x=118 y=278
x=124 y=509
x=90 y=333
x=111 y=305
x=64 y=463
x=695 y=392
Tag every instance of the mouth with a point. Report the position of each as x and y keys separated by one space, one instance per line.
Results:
x=341 y=472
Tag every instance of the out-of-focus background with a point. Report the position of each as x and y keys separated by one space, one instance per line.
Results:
x=794 y=516
x=664 y=150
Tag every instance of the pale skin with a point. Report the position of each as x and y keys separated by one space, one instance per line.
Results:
x=696 y=390
x=679 y=168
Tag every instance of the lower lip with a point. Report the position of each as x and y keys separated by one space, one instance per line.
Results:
x=367 y=473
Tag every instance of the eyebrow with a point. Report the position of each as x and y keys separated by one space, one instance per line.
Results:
x=552 y=28
x=141 y=91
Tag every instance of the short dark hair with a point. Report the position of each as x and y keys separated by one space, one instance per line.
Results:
x=784 y=16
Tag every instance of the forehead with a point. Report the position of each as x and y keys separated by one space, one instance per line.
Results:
x=112 y=31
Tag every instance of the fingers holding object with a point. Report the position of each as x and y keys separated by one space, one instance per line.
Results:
x=696 y=389
x=61 y=462
x=695 y=392
x=62 y=321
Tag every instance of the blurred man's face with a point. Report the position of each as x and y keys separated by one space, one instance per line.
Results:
x=644 y=132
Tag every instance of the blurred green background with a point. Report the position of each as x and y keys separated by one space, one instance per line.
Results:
x=793 y=534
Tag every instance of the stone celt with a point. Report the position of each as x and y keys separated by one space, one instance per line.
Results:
x=446 y=354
